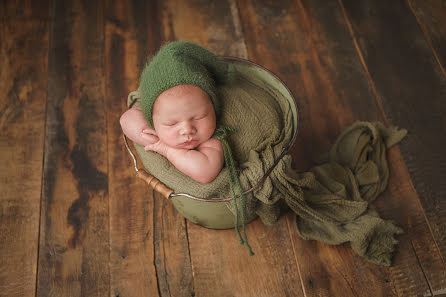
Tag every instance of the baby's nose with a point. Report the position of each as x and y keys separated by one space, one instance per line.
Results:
x=188 y=129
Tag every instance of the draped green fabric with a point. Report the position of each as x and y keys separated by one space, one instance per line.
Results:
x=331 y=201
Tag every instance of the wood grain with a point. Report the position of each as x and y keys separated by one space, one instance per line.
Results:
x=323 y=70
x=172 y=256
x=130 y=32
x=220 y=265
x=431 y=16
x=223 y=267
x=399 y=68
x=311 y=59
x=416 y=247
x=74 y=229
x=214 y=24
x=24 y=42
x=66 y=68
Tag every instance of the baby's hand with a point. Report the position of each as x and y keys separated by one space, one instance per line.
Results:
x=149 y=136
x=158 y=147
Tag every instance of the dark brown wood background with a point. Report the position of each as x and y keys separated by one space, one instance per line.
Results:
x=74 y=221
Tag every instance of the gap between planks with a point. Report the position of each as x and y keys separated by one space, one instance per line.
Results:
x=421 y=266
x=295 y=257
x=186 y=224
x=158 y=287
x=363 y=63
x=52 y=13
x=426 y=36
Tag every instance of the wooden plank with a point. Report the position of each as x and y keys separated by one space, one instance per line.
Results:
x=319 y=62
x=74 y=233
x=416 y=246
x=214 y=24
x=220 y=265
x=159 y=246
x=431 y=16
x=24 y=35
x=412 y=90
x=130 y=31
x=172 y=256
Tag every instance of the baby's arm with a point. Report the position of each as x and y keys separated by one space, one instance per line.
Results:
x=135 y=127
x=202 y=164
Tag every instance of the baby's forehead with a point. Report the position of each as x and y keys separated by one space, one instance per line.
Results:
x=180 y=97
x=180 y=90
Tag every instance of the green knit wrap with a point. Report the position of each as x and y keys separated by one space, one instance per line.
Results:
x=182 y=63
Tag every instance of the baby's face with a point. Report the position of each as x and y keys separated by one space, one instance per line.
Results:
x=183 y=117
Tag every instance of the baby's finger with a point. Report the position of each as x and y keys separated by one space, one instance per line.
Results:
x=149 y=131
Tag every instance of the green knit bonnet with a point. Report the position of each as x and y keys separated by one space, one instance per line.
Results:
x=182 y=63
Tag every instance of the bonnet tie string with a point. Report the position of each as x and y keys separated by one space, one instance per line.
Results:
x=221 y=133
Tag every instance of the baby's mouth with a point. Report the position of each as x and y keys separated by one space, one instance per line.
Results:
x=189 y=142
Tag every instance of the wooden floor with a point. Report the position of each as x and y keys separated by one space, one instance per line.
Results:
x=74 y=220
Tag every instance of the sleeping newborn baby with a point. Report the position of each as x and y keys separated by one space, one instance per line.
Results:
x=179 y=117
x=179 y=109
x=184 y=121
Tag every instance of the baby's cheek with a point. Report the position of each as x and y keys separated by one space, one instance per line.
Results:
x=168 y=136
x=208 y=129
